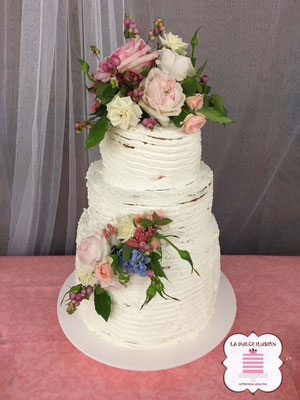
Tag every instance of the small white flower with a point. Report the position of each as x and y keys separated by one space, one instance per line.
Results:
x=174 y=42
x=126 y=227
x=174 y=64
x=123 y=112
x=85 y=277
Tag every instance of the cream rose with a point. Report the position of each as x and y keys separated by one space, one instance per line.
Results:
x=163 y=96
x=86 y=278
x=126 y=228
x=174 y=64
x=91 y=250
x=123 y=112
x=174 y=42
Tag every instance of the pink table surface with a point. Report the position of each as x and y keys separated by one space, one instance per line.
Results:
x=38 y=362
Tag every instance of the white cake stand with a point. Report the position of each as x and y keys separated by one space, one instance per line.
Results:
x=150 y=360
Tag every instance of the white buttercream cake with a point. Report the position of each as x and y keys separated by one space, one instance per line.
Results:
x=140 y=171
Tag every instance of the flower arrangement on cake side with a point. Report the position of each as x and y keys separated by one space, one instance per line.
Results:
x=109 y=258
x=136 y=85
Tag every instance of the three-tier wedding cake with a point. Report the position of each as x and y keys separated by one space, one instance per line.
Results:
x=148 y=255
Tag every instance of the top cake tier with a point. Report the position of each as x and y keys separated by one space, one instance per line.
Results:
x=141 y=159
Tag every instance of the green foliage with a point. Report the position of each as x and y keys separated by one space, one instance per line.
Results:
x=179 y=118
x=214 y=116
x=218 y=104
x=155 y=265
x=105 y=92
x=189 y=86
x=97 y=132
x=201 y=69
x=115 y=264
x=145 y=222
x=160 y=221
x=102 y=302
x=127 y=251
x=145 y=70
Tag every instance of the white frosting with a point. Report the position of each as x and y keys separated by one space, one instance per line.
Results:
x=185 y=195
x=162 y=158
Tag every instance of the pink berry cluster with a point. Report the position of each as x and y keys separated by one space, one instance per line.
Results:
x=95 y=51
x=204 y=78
x=76 y=298
x=135 y=94
x=80 y=125
x=140 y=238
x=149 y=123
x=96 y=104
x=109 y=231
x=132 y=77
x=131 y=29
x=159 y=27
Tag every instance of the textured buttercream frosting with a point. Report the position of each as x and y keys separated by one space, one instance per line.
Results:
x=141 y=171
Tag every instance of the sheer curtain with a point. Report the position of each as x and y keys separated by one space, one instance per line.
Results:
x=43 y=164
x=253 y=51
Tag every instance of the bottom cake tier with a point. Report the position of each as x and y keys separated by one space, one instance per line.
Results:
x=161 y=322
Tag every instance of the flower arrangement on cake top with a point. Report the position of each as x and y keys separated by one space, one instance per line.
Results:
x=136 y=84
x=108 y=260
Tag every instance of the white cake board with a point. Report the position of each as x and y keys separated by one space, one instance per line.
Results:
x=150 y=360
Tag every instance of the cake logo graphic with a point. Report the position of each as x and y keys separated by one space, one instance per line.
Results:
x=252 y=362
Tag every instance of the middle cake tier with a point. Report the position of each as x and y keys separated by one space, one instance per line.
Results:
x=188 y=206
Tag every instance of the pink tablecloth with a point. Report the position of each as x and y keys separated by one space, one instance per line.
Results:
x=38 y=362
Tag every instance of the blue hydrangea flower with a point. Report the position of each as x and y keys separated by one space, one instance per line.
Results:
x=137 y=263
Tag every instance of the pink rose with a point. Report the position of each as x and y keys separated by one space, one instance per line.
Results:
x=105 y=274
x=134 y=55
x=193 y=123
x=195 y=102
x=92 y=249
x=163 y=96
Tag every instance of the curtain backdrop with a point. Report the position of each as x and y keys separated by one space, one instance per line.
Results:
x=253 y=50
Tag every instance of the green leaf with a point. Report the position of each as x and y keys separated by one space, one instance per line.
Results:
x=207 y=89
x=145 y=70
x=127 y=250
x=145 y=222
x=109 y=92
x=160 y=221
x=155 y=256
x=115 y=264
x=102 y=302
x=189 y=86
x=97 y=132
x=201 y=69
x=199 y=87
x=76 y=288
x=218 y=104
x=124 y=277
x=214 y=116
x=156 y=268
x=179 y=118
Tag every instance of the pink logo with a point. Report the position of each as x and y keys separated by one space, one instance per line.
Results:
x=252 y=362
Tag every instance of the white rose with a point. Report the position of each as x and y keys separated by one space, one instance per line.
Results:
x=123 y=112
x=174 y=42
x=126 y=227
x=172 y=63
x=85 y=278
